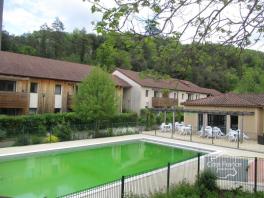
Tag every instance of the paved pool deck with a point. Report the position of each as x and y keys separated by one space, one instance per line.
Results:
x=89 y=142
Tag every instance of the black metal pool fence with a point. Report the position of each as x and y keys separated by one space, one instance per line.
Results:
x=35 y=134
x=232 y=172
x=245 y=140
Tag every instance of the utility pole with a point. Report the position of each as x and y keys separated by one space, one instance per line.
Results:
x=1 y=21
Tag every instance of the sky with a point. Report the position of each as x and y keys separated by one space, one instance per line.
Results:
x=24 y=16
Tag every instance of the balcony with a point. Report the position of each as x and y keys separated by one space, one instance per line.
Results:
x=17 y=100
x=164 y=102
x=69 y=101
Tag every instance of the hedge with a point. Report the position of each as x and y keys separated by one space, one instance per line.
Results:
x=34 y=123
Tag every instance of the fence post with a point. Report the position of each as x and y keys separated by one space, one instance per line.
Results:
x=122 y=186
x=198 y=168
x=191 y=135
x=168 y=178
x=238 y=139
x=50 y=136
x=256 y=175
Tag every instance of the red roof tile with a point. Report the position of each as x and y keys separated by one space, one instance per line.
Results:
x=37 y=67
x=229 y=100
x=173 y=84
x=32 y=66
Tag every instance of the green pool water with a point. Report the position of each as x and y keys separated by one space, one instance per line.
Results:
x=57 y=173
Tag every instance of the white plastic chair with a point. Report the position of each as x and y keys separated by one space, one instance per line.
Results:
x=232 y=135
x=162 y=126
x=208 y=131
x=201 y=132
x=217 y=132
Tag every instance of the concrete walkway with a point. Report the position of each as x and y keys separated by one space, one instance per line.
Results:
x=89 y=142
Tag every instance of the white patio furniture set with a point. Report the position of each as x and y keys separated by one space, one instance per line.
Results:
x=181 y=128
x=208 y=131
x=215 y=132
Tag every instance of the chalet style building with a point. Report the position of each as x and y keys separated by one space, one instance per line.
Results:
x=148 y=92
x=30 y=85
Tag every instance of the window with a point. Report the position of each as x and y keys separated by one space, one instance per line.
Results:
x=8 y=111
x=234 y=122
x=57 y=110
x=57 y=89
x=33 y=87
x=32 y=111
x=189 y=96
x=218 y=121
x=175 y=95
x=6 y=85
x=200 y=120
x=147 y=92
x=156 y=94
x=182 y=96
x=196 y=96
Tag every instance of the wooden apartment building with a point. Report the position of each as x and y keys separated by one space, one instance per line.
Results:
x=31 y=84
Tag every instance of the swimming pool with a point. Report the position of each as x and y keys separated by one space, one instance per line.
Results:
x=49 y=174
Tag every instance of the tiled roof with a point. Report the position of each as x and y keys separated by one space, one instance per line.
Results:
x=31 y=66
x=229 y=100
x=173 y=84
x=119 y=82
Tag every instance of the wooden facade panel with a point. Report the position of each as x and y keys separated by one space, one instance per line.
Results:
x=70 y=101
x=14 y=100
x=46 y=92
x=46 y=95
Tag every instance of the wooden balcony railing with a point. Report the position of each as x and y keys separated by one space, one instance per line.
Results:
x=69 y=101
x=164 y=102
x=14 y=99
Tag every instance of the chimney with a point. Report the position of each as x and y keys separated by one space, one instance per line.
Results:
x=1 y=21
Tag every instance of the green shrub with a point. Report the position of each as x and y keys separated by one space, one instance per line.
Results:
x=22 y=140
x=41 y=123
x=36 y=139
x=51 y=139
x=207 y=181
x=147 y=118
x=63 y=131
x=110 y=132
x=2 y=134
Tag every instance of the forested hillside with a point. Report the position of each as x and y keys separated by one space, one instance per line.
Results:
x=224 y=68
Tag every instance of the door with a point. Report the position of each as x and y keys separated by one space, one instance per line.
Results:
x=217 y=121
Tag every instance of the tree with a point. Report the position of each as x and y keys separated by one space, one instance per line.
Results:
x=57 y=37
x=44 y=35
x=251 y=82
x=114 y=52
x=96 y=98
x=238 y=22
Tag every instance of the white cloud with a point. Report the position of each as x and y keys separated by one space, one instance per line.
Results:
x=22 y=16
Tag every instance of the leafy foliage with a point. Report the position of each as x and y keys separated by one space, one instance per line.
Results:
x=63 y=131
x=224 y=68
x=51 y=139
x=207 y=181
x=2 y=134
x=96 y=96
x=12 y=126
